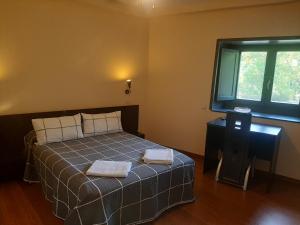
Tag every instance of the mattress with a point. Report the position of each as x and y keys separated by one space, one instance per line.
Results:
x=78 y=199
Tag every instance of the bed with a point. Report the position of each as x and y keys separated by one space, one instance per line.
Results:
x=78 y=199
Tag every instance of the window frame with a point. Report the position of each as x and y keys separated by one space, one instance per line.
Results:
x=264 y=108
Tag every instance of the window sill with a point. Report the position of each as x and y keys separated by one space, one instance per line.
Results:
x=265 y=116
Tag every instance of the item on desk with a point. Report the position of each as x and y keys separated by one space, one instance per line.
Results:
x=242 y=109
x=159 y=156
x=109 y=168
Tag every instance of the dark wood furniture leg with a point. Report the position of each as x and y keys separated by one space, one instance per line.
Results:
x=214 y=140
x=273 y=163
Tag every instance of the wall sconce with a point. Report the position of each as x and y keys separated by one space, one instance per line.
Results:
x=128 y=90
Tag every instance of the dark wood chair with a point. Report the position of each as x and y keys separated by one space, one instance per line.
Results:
x=236 y=159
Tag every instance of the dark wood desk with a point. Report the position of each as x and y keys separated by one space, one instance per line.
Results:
x=264 y=143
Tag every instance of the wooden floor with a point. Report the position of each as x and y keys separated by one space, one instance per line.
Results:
x=216 y=204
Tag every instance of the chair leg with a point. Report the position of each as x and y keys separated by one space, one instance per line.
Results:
x=247 y=177
x=218 y=169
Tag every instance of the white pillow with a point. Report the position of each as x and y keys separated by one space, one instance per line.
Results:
x=57 y=129
x=95 y=124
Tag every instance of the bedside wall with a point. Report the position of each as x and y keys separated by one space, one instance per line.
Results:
x=181 y=62
x=66 y=54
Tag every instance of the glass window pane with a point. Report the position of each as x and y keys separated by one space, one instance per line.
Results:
x=286 y=84
x=251 y=75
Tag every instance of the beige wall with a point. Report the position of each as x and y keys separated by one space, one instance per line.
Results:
x=68 y=54
x=181 y=57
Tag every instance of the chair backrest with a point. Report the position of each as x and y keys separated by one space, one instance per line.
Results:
x=236 y=147
x=236 y=122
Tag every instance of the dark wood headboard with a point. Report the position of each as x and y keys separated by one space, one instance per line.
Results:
x=13 y=128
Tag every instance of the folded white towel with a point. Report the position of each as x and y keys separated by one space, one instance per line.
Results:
x=109 y=168
x=159 y=156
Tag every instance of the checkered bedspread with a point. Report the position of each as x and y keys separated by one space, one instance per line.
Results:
x=84 y=200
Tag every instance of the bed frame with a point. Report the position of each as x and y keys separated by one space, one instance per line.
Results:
x=13 y=128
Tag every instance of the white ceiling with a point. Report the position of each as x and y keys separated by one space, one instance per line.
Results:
x=164 y=7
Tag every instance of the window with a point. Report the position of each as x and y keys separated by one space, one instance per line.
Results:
x=262 y=74
x=251 y=75
x=286 y=85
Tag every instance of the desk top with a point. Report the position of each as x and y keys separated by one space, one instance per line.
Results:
x=255 y=127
